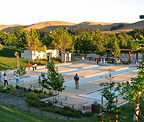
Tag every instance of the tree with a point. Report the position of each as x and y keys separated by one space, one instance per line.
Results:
x=84 y=42
x=115 y=50
x=10 y=39
x=61 y=39
x=32 y=41
x=20 y=34
x=109 y=93
x=1 y=47
x=134 y=90
x=98 y=43
x=54 y=80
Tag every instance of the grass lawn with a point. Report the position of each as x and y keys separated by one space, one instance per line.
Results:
x=11 y=63
x=13 y=115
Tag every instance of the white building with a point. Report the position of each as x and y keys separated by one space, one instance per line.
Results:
x=27 y=54
x=65 y=56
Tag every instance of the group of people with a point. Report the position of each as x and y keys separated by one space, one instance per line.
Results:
x=34 y=66
x=102 y=60
x=16 y=77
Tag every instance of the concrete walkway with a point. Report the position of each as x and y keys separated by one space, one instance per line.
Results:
x=91 y=75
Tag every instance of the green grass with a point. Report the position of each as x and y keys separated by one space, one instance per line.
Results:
x=12 y=115
x=9 y=52
x=11 y=63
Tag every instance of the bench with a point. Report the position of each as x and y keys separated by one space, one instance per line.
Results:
x=67 y=103
x=46 y=99
x=62 y=97
x=57 y=105
x=38 y=87
x=84 y=105
x=31 y=85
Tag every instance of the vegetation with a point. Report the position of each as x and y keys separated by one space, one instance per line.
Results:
x=54 y=79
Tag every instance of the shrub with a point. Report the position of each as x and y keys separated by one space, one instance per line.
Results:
x=29 y=89
x=49 y=104
x=35 y=90
x=1 y=87
x=32 y=96
x=50 y=92
x=12 y=88
x=42 y=95
x=32 y=103
x=24 y=88
x=40 y=91
x=88 y=114
x=17 y=86
x=45 y=92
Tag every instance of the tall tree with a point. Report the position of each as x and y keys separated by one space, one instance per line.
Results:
x=32 y=41
x=20 y=34
x=115 y=50
x=84 y=42
x=134 y=90
x=54 y=80
x=61 y=39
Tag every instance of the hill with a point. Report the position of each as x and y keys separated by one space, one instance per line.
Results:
x=51 y=25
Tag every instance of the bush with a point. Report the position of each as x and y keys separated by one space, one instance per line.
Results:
x=45 y=92
x=50 y=92
x=42 y=95
x=88 y=114
x=11 y=87
x=17 y=86
x=32 y=96
x=32 y=103
x=40 y=91
x=1 y=87
x=24 y=88
x=29 y=89
x=35 y=90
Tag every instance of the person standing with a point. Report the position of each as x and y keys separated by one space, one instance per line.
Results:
x=17 y=79
x=76 y=78
x=33 y=67
x=101 y=60
x=28 y=65
x=104 y=60
x=97 y=60
x=5 y=79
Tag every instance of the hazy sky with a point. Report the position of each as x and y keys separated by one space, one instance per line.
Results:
x=28 y=12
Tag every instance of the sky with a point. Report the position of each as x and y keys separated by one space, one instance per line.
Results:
x=27 y=12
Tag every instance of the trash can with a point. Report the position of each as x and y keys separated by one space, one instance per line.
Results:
x=95 y=107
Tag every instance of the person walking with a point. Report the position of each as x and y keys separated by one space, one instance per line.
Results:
x=5 y=79
x=76 y=78
x=17 y=79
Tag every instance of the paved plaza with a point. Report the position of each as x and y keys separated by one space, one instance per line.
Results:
x=91 y=75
